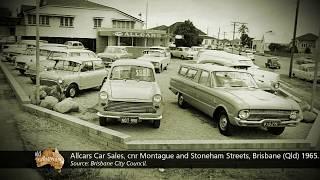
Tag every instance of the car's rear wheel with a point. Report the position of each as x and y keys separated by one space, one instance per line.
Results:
x=103 y=121
x=72 y=91
x=276 y=130
x=156 y=123
x=224 y=125
x=22 y=71
x=181 y=102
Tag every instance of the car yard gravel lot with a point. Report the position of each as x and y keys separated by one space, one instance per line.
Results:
x=177 y=123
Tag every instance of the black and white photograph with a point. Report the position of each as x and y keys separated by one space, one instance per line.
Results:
x=160 y=89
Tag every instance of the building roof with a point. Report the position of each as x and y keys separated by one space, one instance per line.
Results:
x=307 y=37
x=80 y=4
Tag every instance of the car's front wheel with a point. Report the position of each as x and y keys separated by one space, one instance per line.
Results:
x=156 y=123
x=181 y=102
x=224 y=125
x=103 y=121
x=276 y=130
x=72 y=91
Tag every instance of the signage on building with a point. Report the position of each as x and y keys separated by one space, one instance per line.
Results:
x=137 y=34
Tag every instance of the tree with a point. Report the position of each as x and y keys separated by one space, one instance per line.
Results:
x=274 y=47
x=190 y=34
x=245 y=39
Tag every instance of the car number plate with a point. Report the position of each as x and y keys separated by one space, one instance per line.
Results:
x=129 y=120
x=271 y=123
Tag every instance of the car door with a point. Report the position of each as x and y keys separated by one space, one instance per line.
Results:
x=190 y=87
x=87 y=76
x=205 y=99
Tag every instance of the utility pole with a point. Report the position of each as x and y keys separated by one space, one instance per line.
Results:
x=234 y=30
x=219 y=38
x=37 y=55
x=294 y=38
x=146 y=39
x=224 y=38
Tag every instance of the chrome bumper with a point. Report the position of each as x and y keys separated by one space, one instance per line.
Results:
x=282 y=123
x=140 y=116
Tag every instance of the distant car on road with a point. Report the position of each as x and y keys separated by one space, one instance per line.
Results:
x=165 y=49
x=158 y=58
x=232 y=98
x=305 y=72
x=113 y=53
x=130 y=94
x=74 y=44
x=182 y=52
x=273 y=63
x=75 y=73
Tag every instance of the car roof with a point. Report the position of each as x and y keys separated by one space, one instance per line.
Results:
x=211 y=67
x=77 y=59
x=224 y=54
x=224 y=62
x=154 y=50
x=132 y=62
x=74 y=50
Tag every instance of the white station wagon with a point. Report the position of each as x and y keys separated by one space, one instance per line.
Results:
x=130 y=94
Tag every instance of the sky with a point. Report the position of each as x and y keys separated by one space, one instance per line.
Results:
x=261 y=16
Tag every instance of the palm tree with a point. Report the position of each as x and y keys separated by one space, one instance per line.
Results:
x=243 y=29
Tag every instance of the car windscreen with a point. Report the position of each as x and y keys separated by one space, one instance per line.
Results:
x=130 y=72
x=154 y=53
x=67 y=66
x=57 y=54
x=234 y=79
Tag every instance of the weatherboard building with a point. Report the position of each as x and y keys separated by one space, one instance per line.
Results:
x=95 y=25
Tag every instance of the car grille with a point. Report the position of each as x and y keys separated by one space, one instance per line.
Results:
x=130 y=107
x=269 y=114
x=48 y=82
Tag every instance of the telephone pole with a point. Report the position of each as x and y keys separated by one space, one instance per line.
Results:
x=293 y=48
x=224 y=37
x=218 y=38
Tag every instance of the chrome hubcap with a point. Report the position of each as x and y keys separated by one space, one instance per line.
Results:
x=223 y=122
x=181 y=100
x=72 y=92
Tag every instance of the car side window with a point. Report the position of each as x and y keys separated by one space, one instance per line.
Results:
x=204 y=78
x=191 y=74
x=87 y=66
x=183 y=71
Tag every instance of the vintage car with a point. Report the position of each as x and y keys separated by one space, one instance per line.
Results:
x=232 y=97
x=74 y=45
x=268 y=81
x=19 y=48
x=305 y=72
x=75 y=73
x=130 y=94
x=273 y=63
x=165 y=49
x=23 y=61
x=158 y=58
x=113 y=53
x=56 y=54
x=182 y=52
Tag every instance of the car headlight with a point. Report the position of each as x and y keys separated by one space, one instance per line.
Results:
x=156 y=100
x=104 y=96
x=293 y=115
x=244 y=114
x=276 y=85
x=60 y=81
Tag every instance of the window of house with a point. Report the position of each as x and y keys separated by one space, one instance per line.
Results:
x=32 y=19
x=66 y=21
x=123 y=24
x=44 y=20
x=97 y=22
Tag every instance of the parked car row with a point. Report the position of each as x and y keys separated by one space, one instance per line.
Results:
x=227 y=87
